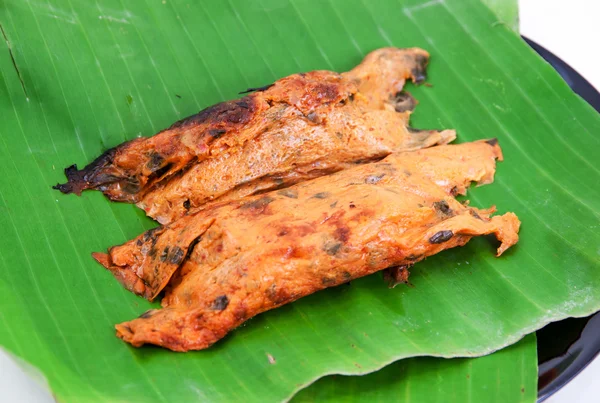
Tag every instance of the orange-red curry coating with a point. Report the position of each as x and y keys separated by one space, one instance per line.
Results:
x=303 y=126
x=232 y=261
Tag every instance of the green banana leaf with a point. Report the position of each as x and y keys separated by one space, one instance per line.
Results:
x=507 y=12
x=79 y=77
x=508 y=375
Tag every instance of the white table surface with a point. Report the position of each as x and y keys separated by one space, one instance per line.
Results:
x=569 y=29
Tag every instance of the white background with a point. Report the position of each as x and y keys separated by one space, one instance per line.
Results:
x=568 y=28
x=571 y=30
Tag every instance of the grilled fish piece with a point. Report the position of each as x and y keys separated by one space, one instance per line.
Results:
x=303 y=126
x=233 y=260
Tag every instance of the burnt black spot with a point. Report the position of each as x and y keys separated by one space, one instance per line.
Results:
x=278 y=181
x=151 y=234
x=263 y=88
x=161 y=171
x=351 y=98
x=321 y=195
x=454 y=191
x=232 y=112
x=403 y=102
x=442 y=207
x=492 y=142
x=441 y=236
x=220 y=303
x=190 y=247
x=187 y=204
x=418 y=72
x=217 y=133
x=332 y=205
x=155 y=161
x=291 y=193
x=148 y=314
x=346 y=275
x=339 y=135
x=332 y=248
x=242 y=103
x=104 y=180
x=176 y=256
x=352 y=205
x=139 y=242
x=258 y=205
x=132 y=186
x=92 y=176
x=414 y=257
x=164 y=254
x=475 y=214
x=373 y=179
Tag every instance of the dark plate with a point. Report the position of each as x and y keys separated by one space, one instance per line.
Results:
x=565 y=348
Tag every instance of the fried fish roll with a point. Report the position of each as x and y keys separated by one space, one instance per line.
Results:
x=233 y=260
x=303 y=126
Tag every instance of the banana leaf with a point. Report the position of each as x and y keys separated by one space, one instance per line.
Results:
x=79 y=77
x=508 y=375
x=507 y=12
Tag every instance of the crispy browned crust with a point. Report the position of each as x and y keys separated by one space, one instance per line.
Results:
x=234 y=260
x=303 y=126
